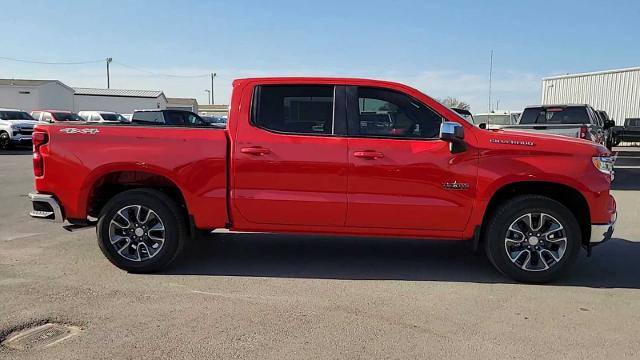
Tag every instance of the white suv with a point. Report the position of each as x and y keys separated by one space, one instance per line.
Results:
x=16 y=127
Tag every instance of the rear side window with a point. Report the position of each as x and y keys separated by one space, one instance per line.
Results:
x=559 y=115
x=297 y=109
x=148 y=117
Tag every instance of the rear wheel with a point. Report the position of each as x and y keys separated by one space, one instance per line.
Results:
x=141 y=230
x=532 y=239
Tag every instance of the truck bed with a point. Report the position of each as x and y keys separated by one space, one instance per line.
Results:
x=79 y=156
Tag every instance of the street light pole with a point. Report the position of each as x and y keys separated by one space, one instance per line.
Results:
x=213 y=75
x=208 y=95
x=109 y=60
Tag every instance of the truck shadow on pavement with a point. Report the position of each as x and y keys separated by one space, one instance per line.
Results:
x=627 y=169
x=17 y=151
x=613 y=265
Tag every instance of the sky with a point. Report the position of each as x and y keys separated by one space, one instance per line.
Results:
x=439 y=47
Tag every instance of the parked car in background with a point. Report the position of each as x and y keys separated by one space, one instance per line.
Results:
x=496 y=119
x=629 y=132
x=55 y=116
x=167 y=117
x=16 y=127
x=579 y=121
x=102 y=116
x=465 y=114
x=608 y=125
x=303 y=159
x=217 y=121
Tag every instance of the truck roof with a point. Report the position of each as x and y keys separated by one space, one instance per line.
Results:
x=322 y=79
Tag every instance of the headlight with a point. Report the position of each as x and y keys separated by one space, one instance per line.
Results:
x=604 y=164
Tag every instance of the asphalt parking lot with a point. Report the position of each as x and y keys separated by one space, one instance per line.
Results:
x=274 y=297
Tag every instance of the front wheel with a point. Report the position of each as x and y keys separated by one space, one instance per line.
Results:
x=141 y=230
x=5 y=141
x=532 y=239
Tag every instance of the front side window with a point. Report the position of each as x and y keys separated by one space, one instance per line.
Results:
x=388 y=113
x=47 y=117
x=299 y=109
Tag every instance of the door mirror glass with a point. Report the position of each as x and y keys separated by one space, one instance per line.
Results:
x=451 y=131
x=609 y=124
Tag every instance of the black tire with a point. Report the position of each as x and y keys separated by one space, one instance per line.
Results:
x=174 y=224
x=502 y=218
x=5 y=141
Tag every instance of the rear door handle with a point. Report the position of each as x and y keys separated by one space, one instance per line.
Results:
x=255 y=150
x=369 y=154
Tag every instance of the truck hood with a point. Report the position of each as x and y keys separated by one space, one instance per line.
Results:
x=520 y=140
x=19 y=123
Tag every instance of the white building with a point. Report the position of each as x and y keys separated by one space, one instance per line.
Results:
x=118 y=100
x=188 y=104
x=615 y=91
x=30 y=95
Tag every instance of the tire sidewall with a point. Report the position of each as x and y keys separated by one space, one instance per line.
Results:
x=171 y=221
x=513 y=210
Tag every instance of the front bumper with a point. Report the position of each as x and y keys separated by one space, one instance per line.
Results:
x=45 y=207
x=602 y=232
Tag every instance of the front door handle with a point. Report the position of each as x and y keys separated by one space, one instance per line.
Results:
x=369 y=154
x=255 y=150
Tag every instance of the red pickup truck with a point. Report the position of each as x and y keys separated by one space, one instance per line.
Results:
x=328 y=156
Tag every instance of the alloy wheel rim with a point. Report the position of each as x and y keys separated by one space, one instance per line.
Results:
x=137 y=233
x=535 y=242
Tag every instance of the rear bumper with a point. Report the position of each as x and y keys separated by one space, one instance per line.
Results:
x=45 y=207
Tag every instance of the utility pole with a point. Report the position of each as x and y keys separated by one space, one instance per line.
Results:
x=208 y=95
x=109 y=60
x=213 y=75
x=490 y=77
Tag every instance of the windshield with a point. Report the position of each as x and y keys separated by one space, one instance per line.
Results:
x=64 y=116
x=113 y=117
x=494 y=119
x=15 y=115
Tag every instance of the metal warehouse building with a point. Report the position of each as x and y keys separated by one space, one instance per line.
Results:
x=615 y=91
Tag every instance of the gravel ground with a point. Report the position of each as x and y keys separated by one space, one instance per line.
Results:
x=274 y=297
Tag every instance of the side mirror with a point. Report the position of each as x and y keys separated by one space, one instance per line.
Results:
x=451 y=131
x=483 y=126
x=609 y=124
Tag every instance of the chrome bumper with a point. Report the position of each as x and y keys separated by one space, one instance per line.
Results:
x=602 y=232
x=45 y=207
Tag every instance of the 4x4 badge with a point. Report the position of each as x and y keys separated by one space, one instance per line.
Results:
x=455 y=186
x=79 y=131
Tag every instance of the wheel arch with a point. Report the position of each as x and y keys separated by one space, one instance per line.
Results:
x=565 y=194
x=101 y=186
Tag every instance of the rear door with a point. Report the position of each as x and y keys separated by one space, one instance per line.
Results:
x=403 y=176
x=290 y=156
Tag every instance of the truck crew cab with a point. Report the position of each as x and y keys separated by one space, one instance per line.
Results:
x=330 y=156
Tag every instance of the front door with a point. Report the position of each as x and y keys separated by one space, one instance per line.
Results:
x=290 y=165
x=401 y=176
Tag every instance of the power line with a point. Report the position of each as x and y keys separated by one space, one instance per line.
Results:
x=50 y=62
x=160 y=74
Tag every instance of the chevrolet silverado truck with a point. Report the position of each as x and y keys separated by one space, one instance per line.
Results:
x=301 y=155
x=578 y=121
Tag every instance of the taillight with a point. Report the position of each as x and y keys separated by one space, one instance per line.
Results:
x=38 y=138
x=583 y=132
